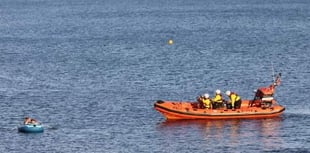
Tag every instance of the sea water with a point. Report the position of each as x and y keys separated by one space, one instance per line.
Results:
x=91 y=71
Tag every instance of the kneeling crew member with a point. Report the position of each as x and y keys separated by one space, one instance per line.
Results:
x=235 y=100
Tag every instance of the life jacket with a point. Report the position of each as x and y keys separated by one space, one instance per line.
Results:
x=218 y=98
x=237 y=97
x=207 y=102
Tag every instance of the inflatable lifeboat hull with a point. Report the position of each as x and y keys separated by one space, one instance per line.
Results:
x=31 y=128
x=188 y=110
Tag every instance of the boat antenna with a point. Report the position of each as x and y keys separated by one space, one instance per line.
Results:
x=273 y=75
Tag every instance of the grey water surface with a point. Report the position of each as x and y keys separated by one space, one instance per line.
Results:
x=91 y=70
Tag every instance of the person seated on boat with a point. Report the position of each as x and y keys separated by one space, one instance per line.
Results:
x=27 y=120
x=200 y=102
x=34 y=121
x=207 y=102
x=218 y=99
x=235 y=100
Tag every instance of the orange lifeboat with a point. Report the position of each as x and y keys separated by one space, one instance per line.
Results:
x=262 y=106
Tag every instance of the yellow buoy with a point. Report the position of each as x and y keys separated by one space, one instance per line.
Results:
x=170 y=42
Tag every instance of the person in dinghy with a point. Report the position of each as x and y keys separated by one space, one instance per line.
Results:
x=29 y=120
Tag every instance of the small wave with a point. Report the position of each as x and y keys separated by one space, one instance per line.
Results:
x=290 y=150
x=50 y=127
x=9 y=129
x=298 y=115
x=298 y=112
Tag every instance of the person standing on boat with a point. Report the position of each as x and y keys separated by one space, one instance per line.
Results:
x=207 y=102
x=235 y=100
x=218 y=99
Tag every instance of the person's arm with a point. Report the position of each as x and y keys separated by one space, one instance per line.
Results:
x=233 y=99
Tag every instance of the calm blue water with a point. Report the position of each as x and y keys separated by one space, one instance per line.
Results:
x=91 y=71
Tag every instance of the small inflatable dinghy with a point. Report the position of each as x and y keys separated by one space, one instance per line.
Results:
x=31 y=128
